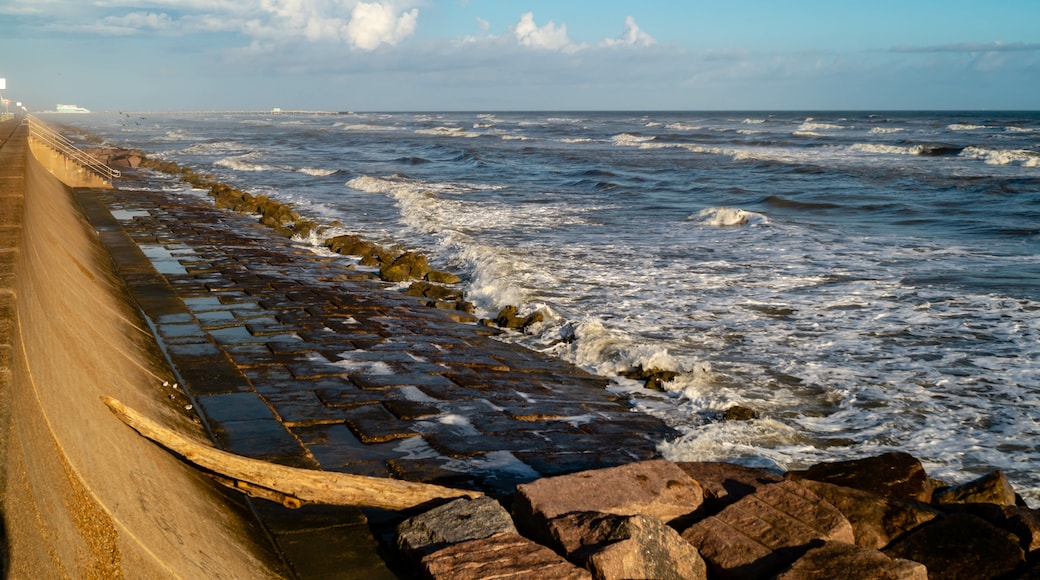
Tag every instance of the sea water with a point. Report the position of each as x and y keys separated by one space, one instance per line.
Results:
x=864 y=282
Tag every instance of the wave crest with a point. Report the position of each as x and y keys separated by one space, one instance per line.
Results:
x=728 y=217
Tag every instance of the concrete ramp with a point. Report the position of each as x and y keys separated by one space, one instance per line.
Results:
x=83 y=496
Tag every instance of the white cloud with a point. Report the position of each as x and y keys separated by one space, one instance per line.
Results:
x=547 y=37
x=373 y=24
x=632 y=36
x=364 y=25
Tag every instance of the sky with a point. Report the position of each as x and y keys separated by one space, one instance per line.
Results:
x=500 y=55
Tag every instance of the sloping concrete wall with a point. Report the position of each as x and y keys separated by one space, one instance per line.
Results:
x=83 y=495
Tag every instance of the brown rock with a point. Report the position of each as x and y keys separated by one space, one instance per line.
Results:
x=739 y=413
x=653 y=378
x=894 y=474
x=876 y=519
x=725 y=483
x=406 y=266
x=425 y=289
x=453 y=523
x=848 y=562
x=960 y=546
x=507 y=318
x=499 y=556
x=438 y=277
x=991 y=488
x=1020 y=521
x=655 y=488
x=767 y=530
x=627 y=547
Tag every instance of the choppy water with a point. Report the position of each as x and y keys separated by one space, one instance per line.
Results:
x=863 y=281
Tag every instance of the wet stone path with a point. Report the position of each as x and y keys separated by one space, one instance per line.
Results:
x=299 y=359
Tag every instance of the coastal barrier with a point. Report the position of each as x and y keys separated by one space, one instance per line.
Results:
x=82 y=497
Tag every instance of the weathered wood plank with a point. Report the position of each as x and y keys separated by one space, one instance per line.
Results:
x=291 y=486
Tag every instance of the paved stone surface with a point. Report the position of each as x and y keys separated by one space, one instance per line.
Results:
x=303 y=360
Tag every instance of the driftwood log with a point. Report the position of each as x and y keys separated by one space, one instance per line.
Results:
x=290 y=486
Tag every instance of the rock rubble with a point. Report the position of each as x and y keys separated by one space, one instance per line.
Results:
x=859 y=519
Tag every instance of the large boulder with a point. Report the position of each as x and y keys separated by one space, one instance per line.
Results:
x=961 y=546
x=895 y=474
x=655 y=488
x=452 y=523
x=1020 y=521
x=992 y=488
x=766 y=531
x=617 y=547
x=725 y=483
x=876 y=519
x=848 y=562
x=499 y=556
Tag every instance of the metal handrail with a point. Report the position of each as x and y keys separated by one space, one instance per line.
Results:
x=40 y=131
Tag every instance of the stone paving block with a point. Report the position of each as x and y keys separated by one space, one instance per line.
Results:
x=337 y=449
x=499 y=556
x=381 y=381
x=374 y=424
x=281 y=520
x=267 y=377
x=296 y=405
x=344 y=396
x=453 y=443
x=204 y=376
x=245 y=406
x=451 y=392
x=265 y=439
x=411 y=410
x=432 y=469
x=563 y=463
x=349 y=549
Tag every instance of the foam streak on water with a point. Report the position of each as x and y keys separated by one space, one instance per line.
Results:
x=864 y=281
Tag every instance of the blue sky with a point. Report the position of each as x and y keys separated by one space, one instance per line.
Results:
x=149 y=55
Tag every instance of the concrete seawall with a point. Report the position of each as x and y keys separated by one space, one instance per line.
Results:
x=81 y=495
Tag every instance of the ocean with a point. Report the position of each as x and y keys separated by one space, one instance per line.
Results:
x=864 y=282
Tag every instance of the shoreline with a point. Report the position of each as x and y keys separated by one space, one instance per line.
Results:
x=249 y=301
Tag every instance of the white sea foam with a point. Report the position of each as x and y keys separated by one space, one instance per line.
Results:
x=1023 y=157
x=683 y=127
x=366 y=127
x=886 y=130
x=448 y=132
x=753 y=121
x=220 y=147
x=966 y=127
x=810 y=126
x=316 y=172
x=245 y=163
x=728 y=217
x=630 y=140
